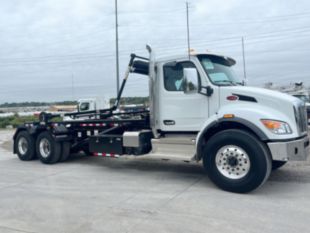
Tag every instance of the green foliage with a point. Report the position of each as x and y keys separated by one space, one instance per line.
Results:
x=16 y=120
x=124 y=100
x=132 y=100
x=36 y=104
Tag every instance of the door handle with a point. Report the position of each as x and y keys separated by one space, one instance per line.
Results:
x=169 y=122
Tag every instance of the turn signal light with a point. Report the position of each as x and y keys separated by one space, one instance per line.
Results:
x=271 y=124
x=229 y=116
x=277 y=127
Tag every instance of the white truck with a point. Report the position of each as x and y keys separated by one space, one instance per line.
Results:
x=92 y=104
x=199 y=111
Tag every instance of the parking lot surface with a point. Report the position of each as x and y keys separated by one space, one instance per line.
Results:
x=94 y=194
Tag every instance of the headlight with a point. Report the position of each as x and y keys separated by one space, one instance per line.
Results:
x=277 y=127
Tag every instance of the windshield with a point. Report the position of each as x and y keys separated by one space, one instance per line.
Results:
x=304 y=98
x=219 y=70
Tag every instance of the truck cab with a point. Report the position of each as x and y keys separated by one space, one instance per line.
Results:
x=200 y=106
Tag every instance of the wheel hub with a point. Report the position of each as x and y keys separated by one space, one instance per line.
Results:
x=232 y=162
x=45 y=148
x=22 y=146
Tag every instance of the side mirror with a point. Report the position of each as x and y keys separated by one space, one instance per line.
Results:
x=190 y=80
x=207 y=91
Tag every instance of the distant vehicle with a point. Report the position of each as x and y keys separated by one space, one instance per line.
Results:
x=198 y=111
x=86 y=105
x=92 y=104
x=299 y=91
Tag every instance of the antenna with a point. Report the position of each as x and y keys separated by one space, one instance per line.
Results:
x=116 y=47
x=243 y=57
x=187 y=23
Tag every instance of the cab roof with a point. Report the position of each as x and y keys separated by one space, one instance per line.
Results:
x=193 y=54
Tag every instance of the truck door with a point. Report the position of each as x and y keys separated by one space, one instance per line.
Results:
x=180 y=111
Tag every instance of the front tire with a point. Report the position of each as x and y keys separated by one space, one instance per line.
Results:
x=48 y=150
x=236 y=161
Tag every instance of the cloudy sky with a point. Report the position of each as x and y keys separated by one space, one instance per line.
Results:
x=65 y=49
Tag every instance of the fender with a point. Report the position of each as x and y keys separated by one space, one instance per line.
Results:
x=216 y=125
x=19 y=128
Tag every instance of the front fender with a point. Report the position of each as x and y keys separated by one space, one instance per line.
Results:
x=245 y=117
x=221 y=124
x=254 y=114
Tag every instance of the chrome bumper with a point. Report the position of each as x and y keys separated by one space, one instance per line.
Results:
x=297 y=150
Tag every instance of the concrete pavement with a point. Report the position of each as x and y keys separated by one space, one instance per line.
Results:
x=93 y=194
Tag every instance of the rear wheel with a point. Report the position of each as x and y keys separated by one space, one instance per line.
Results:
x=65 y=151
x=25 y=146
x=236 y=161
x=48 y=150
x=277 y=164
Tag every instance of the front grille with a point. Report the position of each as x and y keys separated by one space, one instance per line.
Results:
x=301 y=118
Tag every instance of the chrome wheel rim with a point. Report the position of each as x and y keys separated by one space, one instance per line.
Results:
x=232 y=162
x=22 y=146
x=45 y=148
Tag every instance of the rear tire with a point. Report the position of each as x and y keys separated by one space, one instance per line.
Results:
x=277 y=164
x=48 y=150
x=25 y=146
x=236 y=161
x=65 y=151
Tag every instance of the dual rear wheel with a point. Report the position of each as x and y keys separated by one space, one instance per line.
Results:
x=44 y=147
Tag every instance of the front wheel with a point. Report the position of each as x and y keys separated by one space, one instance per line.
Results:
x=236 y=161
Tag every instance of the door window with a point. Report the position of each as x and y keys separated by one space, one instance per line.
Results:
x=173 y=75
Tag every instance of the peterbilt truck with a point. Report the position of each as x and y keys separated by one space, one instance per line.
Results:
x=199 y=112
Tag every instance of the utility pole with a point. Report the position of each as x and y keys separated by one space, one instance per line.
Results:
x=187 y=23
x=243 y=57
x=116 y=45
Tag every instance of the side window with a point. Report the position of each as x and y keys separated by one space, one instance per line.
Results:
x=173 y=75
x=84 y=107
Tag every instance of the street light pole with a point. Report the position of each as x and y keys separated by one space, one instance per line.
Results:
x=116 y=47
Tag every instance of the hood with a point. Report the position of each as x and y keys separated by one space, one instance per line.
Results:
x=261 y=95
x=272 y=104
